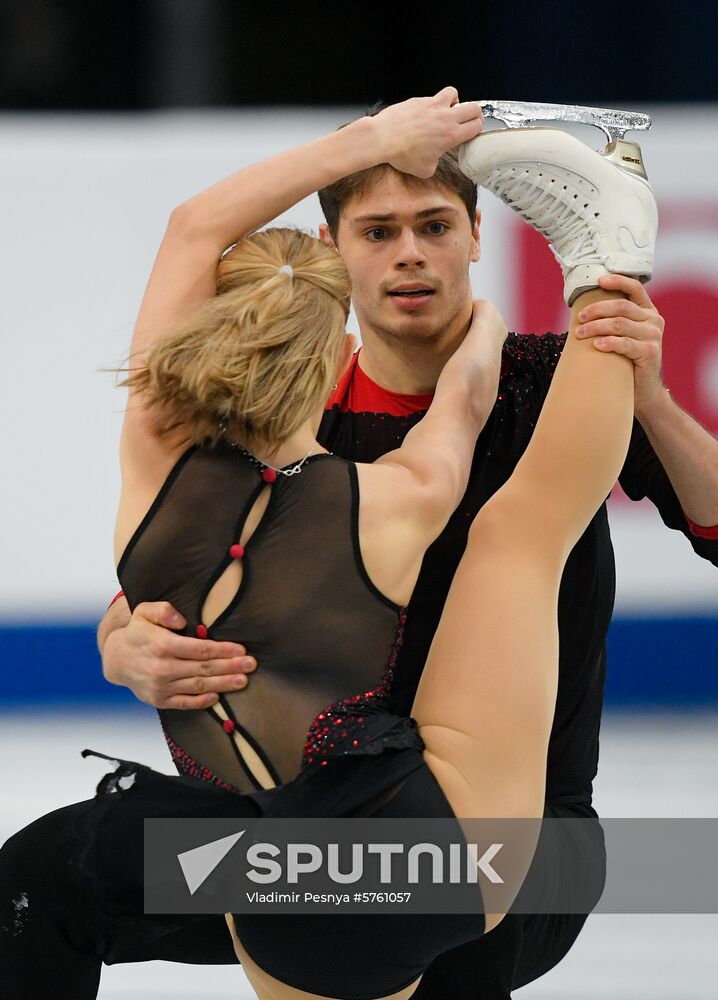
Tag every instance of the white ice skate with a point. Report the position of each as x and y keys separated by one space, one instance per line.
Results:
x=596 y=209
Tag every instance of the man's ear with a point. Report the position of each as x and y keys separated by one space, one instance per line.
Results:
x=325 y=236
x=476 y=238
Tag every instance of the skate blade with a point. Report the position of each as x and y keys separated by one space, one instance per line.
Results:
x=613 y=123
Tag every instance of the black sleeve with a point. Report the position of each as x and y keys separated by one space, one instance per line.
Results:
x=644 y=476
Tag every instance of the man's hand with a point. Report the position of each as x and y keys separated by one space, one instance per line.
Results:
x=630 y=326
x=168 y=670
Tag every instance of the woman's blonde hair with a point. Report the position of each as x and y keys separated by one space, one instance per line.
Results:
x=258 y=359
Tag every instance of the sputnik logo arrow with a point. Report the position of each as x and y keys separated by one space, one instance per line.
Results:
x=199 y=863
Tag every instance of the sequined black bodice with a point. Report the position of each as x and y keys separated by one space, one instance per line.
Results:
x=324 y=637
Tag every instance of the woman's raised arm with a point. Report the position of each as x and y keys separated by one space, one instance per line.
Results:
x=411 y=135
x=201 y=228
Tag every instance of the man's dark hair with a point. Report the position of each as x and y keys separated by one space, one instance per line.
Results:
x=334 y=196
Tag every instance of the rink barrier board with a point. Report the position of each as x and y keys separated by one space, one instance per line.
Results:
x=659 y=662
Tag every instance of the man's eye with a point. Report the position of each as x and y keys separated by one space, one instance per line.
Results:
x=382 y=231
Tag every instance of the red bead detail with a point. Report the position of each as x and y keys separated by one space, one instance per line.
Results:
x=201 y=631
x=236 y=551
x=269 y=475
x=345 y=712
x=228 y=726
x=188 y=765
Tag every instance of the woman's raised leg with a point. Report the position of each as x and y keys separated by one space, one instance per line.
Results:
x=487 y=695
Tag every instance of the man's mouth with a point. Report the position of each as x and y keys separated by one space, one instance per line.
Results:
x=412 y=298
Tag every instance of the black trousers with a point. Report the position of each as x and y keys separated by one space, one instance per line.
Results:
x=54 y=937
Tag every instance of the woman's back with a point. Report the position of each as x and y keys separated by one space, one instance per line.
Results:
x=254 y=363
x=294 y=591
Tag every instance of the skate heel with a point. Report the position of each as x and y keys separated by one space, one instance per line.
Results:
x=626 y=155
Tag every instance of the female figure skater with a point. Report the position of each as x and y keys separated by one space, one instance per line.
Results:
x=231 y=511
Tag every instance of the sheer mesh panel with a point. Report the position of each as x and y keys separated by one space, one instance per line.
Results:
x=305 y=608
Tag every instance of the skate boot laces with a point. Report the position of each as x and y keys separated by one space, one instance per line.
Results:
x=567 y=222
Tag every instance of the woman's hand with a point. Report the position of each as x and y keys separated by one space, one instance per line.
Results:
x=479 y=354
x=485 y=337
x=414 y=134
x=486 y=317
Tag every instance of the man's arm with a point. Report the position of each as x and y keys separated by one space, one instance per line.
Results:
x=140 y=651
x=117 y=616
x=686 y=451
x=689 y=454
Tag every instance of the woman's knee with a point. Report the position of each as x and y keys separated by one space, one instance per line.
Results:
x=503 y=515
x=511 y=521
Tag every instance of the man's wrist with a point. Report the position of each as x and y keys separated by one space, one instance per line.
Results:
x=660 y=407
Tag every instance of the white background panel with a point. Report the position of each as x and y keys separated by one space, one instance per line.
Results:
x=84 y=204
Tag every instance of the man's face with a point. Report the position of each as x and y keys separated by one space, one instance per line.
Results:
x=395 y=235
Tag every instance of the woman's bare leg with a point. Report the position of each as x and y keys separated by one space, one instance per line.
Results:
x=487 y=695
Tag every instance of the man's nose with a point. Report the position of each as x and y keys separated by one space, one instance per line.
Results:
x=408 y=250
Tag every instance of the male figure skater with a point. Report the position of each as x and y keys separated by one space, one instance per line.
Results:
x=407 y=244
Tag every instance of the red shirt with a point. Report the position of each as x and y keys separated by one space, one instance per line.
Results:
x=357 y=393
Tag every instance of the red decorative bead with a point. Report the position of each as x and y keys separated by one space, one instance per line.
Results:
x=201 y=631
x=228 y=726
x=269 y=475
x=236 y=551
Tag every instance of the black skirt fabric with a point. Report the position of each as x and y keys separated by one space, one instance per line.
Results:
x=350 y=956
x=339 y=786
